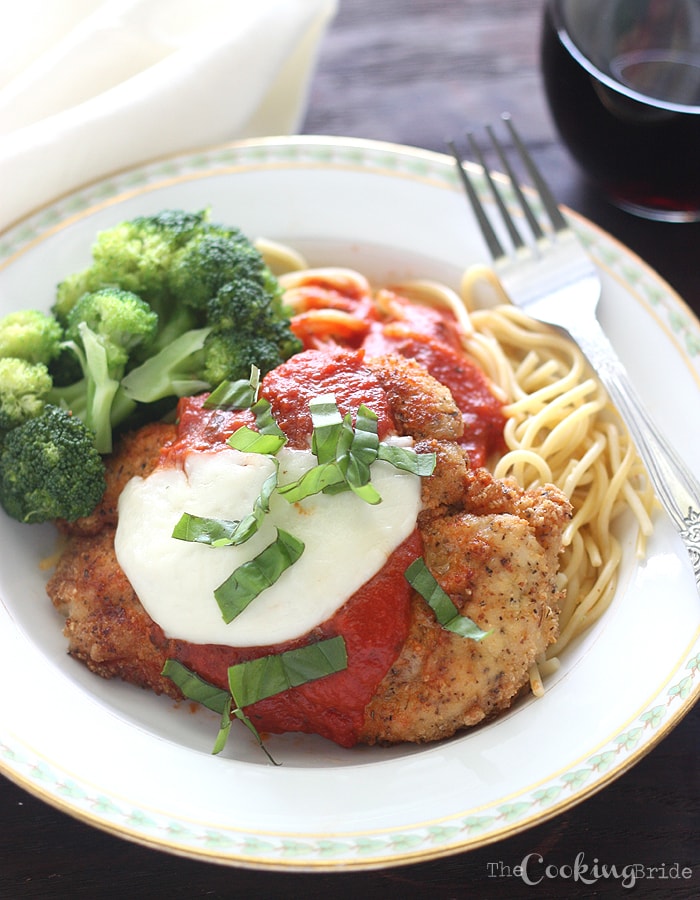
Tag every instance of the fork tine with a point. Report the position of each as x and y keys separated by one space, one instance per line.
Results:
x=505 y=215
x=495 y=247
x=557 y=219
x=508 y=168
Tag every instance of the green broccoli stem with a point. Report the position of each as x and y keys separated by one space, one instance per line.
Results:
x=175 y=371
x=101 y=390
x=107 y=407
x=98 y=399
x=98 y=416
x=172 y=327
x=72 y=397
x=122 y=407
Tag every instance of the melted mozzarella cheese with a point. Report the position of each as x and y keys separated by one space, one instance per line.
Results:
x=346 y=542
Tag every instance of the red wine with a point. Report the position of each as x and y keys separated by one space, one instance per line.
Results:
x=622 y=79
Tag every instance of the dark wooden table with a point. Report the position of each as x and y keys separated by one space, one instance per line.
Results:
x=416 y=72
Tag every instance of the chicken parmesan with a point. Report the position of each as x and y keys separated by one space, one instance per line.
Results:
x=140 y=598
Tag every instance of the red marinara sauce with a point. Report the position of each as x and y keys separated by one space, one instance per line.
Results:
x=432 y=337
x=374 y=623
x=288 y=388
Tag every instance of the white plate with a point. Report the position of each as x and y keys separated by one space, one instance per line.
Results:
x=141 y=768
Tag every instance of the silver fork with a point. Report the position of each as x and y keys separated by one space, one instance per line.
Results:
x=553 y=279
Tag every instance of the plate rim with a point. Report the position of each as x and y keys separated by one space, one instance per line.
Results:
x=38 y=220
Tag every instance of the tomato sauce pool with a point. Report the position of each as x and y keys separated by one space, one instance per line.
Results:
x=374 y=621
x=428 y=334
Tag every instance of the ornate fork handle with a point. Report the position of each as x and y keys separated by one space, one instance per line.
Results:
x=675 y=485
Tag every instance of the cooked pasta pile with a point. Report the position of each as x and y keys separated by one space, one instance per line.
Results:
x=560 y=428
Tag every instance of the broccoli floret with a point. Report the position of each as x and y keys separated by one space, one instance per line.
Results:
x=24 y=390
x=213 y=258
x=248 y=328
x=31 y=335
x=220 y=277
x=229 y=356
x=66 y=368
x=136 y=256
x=244 y=305
x=245 y=329
x=122 y=321
x=203 y=281
x=106 y=329
x=50 y=469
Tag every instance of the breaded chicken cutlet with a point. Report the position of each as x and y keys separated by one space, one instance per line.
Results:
x=492 y=546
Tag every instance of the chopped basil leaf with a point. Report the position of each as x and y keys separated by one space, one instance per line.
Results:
x=365 y=440
x=313 y=481
x=405 y=458
x=196 y=688
x=248 y=440
x=203 y=530
x=362 y=453
x=242 y=717
x=329 y=475
x=231 y=395
x=252 y=577
x=421 y=580
x=224 y=728
x=250 y=524
x=257 y=679
x=227 y=532
x=345 y=454
x=268 y=438
x=200 y=691
x=366 y=492
x=240 y=394
x=327 y=423
x=265 y=420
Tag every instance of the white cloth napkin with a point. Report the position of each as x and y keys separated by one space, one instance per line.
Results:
x=91 y=87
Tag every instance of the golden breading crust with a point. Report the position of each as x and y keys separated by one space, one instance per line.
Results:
x=107 y=627
x=496 y=558
x=420 y=405
x=492 y=546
